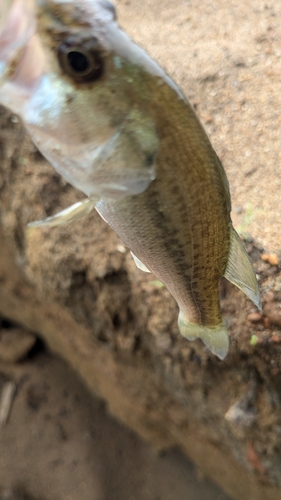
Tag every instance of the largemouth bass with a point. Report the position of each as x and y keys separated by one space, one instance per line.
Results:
x=110 y=120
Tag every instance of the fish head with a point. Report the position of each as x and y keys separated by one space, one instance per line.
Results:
x=82 y=89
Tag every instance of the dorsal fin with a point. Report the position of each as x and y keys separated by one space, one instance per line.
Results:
x=239 y=270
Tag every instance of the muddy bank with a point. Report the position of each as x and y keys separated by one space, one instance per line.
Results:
x=60 y=443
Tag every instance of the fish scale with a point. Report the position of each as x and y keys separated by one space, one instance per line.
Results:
x=116 y=126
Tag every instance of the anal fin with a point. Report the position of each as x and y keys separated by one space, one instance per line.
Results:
x=139 y=264
x=240 y=271
x=215 y=337
x=70 y=214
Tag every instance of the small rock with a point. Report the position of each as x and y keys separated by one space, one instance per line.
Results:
x=15 y=344
x=238 y=415
x=265 y=322
x=207 y=118
x=271 y=258
x=269 y=297
x=276 y=338
x=254 y=459
x=254 y=317
x=273 y=313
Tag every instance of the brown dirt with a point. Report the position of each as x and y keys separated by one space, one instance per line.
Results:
x=226 y=57
x=61 y=444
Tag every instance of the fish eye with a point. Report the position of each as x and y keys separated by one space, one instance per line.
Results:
x=82 y=64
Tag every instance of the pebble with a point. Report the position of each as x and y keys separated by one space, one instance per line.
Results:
x=273 y=313
x=15 y=344
x=265 y=322
x=254 y=317
x=238 y=415
x=276 y=339
x=271 y=258
x=269 y=297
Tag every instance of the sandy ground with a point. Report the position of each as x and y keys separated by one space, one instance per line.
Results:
x=61 y=444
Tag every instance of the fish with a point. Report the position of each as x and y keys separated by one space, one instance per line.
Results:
x=112 y=122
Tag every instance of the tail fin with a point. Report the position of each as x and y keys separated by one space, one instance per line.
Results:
x=215 y=338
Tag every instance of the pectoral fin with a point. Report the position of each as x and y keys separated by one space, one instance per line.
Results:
x=215 y=338
x=239 y=270
x=139 y=264
x=70 y=214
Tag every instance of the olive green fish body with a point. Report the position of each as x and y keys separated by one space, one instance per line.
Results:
x=180 y=226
